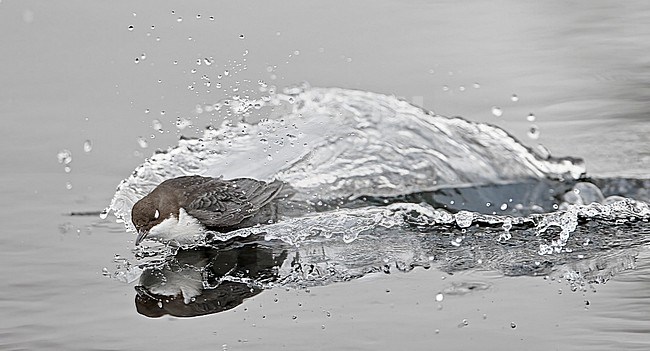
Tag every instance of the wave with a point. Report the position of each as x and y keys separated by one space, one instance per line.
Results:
x=331 y=144
x=378 y=184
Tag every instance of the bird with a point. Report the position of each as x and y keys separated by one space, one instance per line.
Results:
x=182 y=209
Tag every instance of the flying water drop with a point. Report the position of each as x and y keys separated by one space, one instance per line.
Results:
x=104 y=213
x=533 y=132
x=64 y=156
x=497 y=111
x=157 y=125
x=88 y=146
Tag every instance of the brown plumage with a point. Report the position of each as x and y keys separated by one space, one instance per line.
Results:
x=218 y=204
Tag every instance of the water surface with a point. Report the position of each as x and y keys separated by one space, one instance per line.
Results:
x=71 y=76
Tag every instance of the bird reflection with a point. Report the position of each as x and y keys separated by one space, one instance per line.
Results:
x=206 y=280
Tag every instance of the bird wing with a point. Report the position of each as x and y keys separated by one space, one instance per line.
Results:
x=227 y=203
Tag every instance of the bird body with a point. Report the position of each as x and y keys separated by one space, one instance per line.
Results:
x=181 y=209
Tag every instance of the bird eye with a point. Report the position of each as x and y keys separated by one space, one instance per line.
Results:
x=156 y=215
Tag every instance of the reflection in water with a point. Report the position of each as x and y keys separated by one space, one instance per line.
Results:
x=206 y=280
x=401 y=236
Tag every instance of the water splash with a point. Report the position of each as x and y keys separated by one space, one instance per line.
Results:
x=376 y=180
x=348 y=144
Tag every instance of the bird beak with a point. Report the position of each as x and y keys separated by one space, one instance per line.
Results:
x=141 y=236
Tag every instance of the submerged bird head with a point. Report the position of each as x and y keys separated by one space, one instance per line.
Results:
x=147 y=213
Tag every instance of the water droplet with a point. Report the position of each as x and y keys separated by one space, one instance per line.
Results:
x=104 y=213
x=130 y=28
x=531 y=117
x=211 y=18
x=445 y=88
x=157 y=125
x=137 y=60
x=64 y=156
x=198 y=16
x=439 y=297
x=88 y=146
x=514 y=98
x=476 y=85
x=143 y=56
x=182 y=123
x=461 y=88
x=241 y=36
x=297 y=52
x=179 y=19
x=504 y=207
x=497 y=111
x=533 y=132
x=175 y=62
x=464 y=218
x=143 y=142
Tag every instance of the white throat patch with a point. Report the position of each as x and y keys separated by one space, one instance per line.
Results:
x=186 y=230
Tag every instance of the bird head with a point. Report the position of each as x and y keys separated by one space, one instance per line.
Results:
x=146 y=214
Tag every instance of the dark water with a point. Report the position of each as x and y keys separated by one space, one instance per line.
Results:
x=71 y=82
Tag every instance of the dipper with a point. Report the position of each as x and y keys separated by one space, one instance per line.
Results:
x=180 y=209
